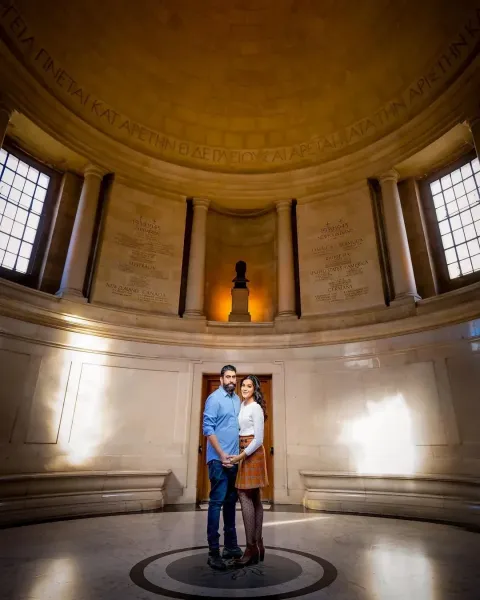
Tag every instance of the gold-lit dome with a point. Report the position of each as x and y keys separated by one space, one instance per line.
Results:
x=253 y=85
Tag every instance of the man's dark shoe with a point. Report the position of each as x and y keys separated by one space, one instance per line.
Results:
x=215 y=562
x=234 y=552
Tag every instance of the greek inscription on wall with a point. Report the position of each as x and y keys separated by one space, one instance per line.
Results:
x=340 y=275
x=21 y=36
x=138 y=252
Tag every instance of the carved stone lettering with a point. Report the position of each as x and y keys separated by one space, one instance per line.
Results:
x=338 y=256
x=19 y=34
x=140 y=259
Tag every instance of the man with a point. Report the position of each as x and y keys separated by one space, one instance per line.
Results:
x=220 y=425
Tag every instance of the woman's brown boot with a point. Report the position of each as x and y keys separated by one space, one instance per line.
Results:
x=261 y=550
x=250 y=556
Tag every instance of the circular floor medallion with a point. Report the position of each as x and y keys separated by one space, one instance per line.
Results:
x=184 y=574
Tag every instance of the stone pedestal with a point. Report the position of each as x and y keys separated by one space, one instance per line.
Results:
x=240 y=312
x=398 y=249
x=196 y=265
x=73 y=277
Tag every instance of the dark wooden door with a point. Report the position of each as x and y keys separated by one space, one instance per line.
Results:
x=210 y=384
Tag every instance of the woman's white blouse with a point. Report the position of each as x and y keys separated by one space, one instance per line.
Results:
x=251 y=422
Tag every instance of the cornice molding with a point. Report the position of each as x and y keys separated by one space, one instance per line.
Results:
x=39 y=308
x=450 y=108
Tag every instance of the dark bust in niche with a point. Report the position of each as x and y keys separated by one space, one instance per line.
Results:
x=240 y=280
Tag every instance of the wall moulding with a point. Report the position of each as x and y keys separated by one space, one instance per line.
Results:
x=38 y=308
x=250 y=189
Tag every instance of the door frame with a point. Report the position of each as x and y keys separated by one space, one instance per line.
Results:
x=202 y=473
x=277 y=371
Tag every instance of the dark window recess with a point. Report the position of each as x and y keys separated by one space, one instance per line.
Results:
x=381 y=237
x=186 y=256
x=451 y=200
x=27 y=191
x=105 y=188
x=296 y=266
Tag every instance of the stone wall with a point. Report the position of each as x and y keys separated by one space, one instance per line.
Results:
x=140 y=260
x=404 y=405
x=338 y=256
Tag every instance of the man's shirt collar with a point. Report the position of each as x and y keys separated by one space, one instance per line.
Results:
x=225 y=393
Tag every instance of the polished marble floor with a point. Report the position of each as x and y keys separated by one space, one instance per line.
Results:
x=309 y=555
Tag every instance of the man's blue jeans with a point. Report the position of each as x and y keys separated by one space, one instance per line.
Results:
x=223 y=494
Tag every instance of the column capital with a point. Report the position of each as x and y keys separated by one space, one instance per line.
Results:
x=202 y=203
x=92 y=170
x=472 y=122
x=390 y=175
x=282 y=205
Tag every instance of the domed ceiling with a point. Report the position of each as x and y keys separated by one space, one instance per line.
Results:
x=244 y=86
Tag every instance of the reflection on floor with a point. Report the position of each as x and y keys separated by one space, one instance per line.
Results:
x=204 y=506
x=309 y=555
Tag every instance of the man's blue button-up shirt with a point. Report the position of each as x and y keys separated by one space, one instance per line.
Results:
x=221 y=418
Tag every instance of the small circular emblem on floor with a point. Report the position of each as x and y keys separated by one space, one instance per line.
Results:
x=184 y=574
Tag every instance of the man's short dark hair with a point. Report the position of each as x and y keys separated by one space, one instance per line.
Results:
x=227 y=368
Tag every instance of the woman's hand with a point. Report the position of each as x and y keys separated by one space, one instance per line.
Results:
x=236 y=458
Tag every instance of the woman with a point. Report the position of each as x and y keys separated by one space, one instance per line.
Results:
x=252 y=470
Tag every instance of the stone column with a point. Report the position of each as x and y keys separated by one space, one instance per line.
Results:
x=74 y=272
x=285 y=274
x=196 y=264
x=6 y=112
x=398 y=250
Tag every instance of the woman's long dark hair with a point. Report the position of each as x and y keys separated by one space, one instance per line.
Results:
x=257 y=393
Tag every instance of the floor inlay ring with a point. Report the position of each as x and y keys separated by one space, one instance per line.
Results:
x=184 y=574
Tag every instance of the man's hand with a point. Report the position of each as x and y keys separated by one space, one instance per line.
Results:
x=233 y=459
x=225 y=460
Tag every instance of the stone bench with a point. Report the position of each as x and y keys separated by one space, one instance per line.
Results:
x=44 y=496
x=434 y=497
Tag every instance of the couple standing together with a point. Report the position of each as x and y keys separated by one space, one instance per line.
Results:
x=236 y=467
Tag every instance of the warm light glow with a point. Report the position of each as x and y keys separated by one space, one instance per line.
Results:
x=221 y=306
x=56 y=579
x=89 y=342
x=382 y=440
x=75 y=320
x=89 y=428
x=409 y=570
x=256 y=306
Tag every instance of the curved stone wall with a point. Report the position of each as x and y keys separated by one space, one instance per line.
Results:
x=375 y=391
x=82 y=394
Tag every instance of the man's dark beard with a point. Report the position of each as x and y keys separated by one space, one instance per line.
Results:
x=229 y=388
